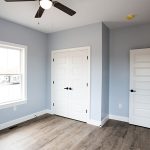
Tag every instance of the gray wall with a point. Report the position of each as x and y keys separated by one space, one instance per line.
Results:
x=121 y=41
x=36 y=68
x=105 y=71
x=90 y=35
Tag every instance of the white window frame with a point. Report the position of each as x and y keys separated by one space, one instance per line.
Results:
x=23 y=50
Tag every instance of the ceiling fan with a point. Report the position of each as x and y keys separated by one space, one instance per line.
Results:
x=47 y=4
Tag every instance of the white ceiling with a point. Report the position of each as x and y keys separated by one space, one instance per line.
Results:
x=112 y=12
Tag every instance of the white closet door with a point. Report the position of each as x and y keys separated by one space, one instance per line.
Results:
x=70 y=70
x=78 y=79
x=140 y=87
x=60 y=81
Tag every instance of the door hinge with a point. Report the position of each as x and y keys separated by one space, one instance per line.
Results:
x=86 y=111
x=53 y=59
x=53 y=104
x=87 y=84
x=87 y=57
x=53 y=82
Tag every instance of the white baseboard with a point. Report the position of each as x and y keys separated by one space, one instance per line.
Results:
x=94 y=122
x=48 y=111
x=119 y=118
x=104 y=120
x=22 y=119
x=113 y=117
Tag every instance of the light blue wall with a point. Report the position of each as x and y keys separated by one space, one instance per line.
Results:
x=36 y=68
x=105 y=71
x=96 y=36
x=121 y=41
x=90 y=35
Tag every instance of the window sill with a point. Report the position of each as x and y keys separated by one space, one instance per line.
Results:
x=13 y=104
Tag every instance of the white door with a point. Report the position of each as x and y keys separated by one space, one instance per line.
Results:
x=140 y=87
x=60 y=81
x=71 y=83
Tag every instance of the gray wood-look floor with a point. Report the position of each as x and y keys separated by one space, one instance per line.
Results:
x=57 y=133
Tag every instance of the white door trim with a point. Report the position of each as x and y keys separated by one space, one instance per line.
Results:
x=89 y=76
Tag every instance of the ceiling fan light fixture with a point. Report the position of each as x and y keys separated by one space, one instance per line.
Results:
x=46 y=4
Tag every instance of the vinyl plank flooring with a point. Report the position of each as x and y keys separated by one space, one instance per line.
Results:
x=52 y=132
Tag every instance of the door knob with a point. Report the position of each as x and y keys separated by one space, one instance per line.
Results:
x=66 y=88
x=70 y=88
x=132 y=90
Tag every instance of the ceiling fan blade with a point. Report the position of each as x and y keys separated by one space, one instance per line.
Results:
x=64 y=8
x=19 y=0
x=39 y=12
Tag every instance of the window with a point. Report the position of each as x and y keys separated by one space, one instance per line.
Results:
x=12 y=74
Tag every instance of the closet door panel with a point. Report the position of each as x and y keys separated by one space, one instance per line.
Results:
x=70 y=89
x=78 y=75
x=60 y=76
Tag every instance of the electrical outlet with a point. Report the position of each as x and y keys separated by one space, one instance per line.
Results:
x=120 y=106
